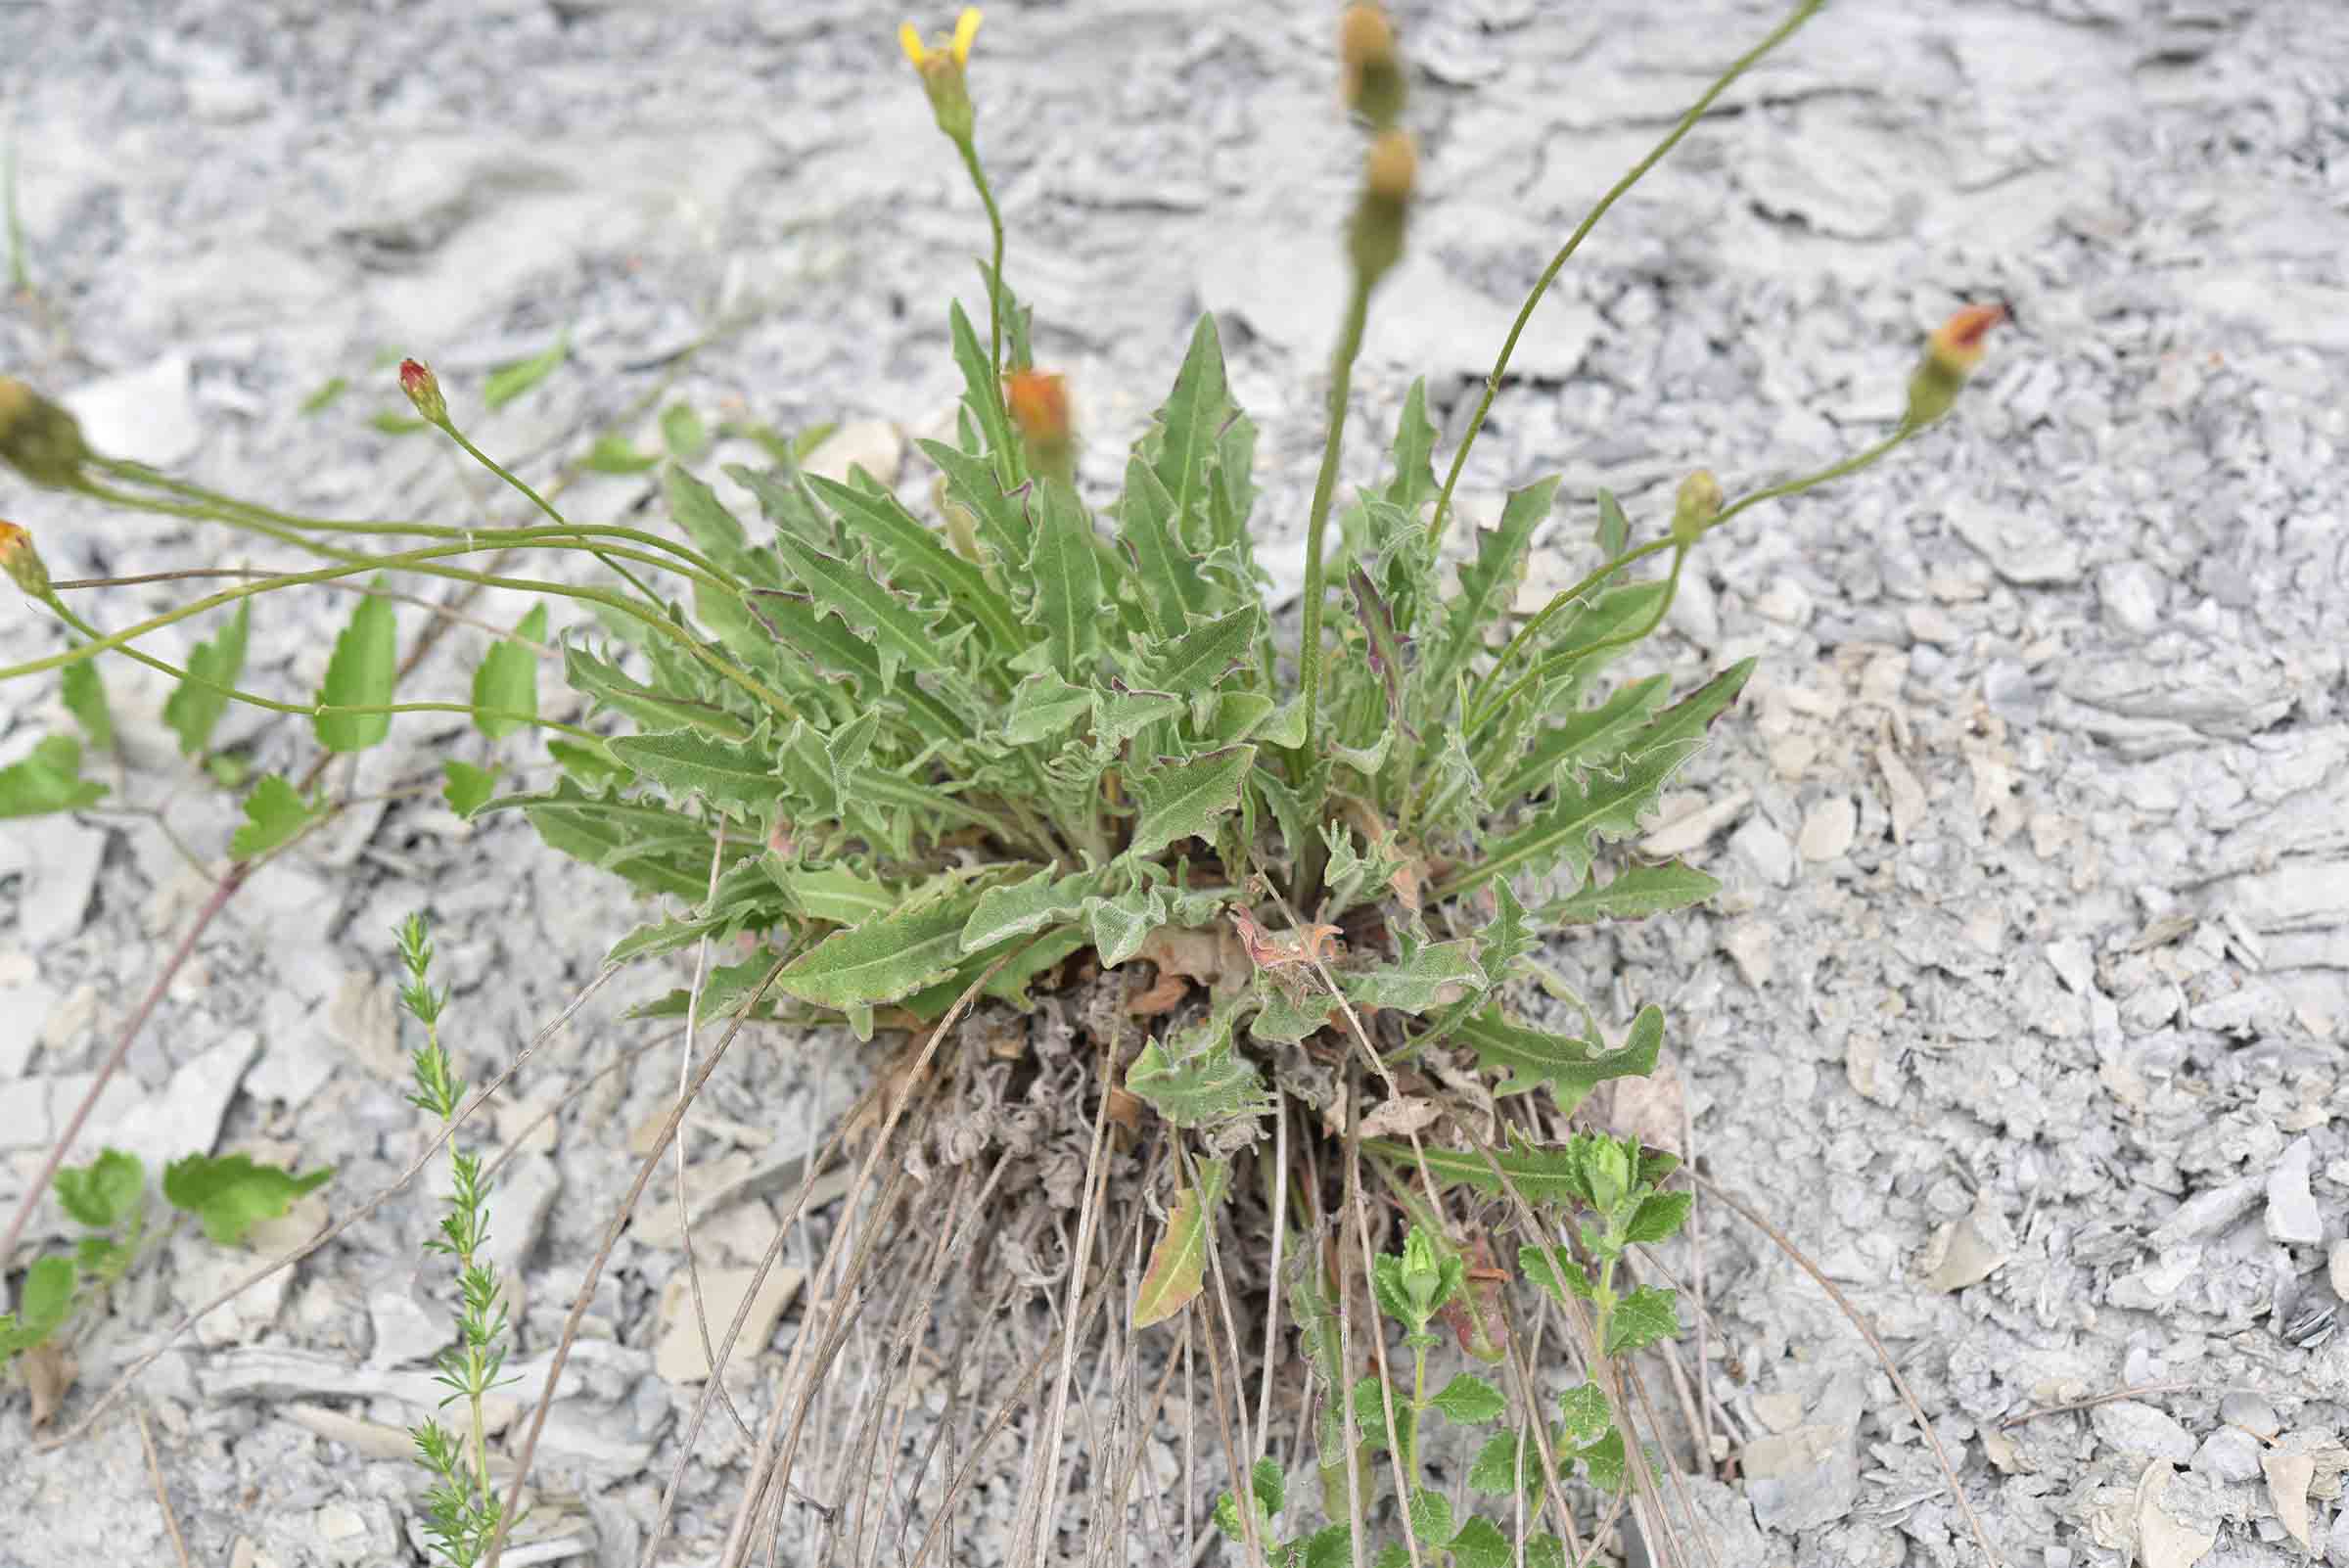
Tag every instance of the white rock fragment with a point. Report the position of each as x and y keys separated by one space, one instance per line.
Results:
x=2229 y=1455
x=2021 y=549
x=2336 y=1268
x=1801 y=1479
x=1680 y=834
x=184 y=1117
x=59 y=865
x=677 y=1342
x=2165 y=1539
x=146 y=415
x=1904 y=795
x=2132 y=593
x=2292 y=1216
x=2288 y=1477
x=1764 y=848
x=873 y=445
x=1829 y=829
x=2136 y=1427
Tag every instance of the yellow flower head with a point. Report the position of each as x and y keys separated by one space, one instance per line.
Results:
x=966 y=27
x=941 y=66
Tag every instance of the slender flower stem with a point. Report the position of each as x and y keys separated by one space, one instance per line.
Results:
x=424 y=563
x=312 y=710
x=1687 y=122
x=1326 y=483
x=539 y=501
x=290 y=529
x=969 y=148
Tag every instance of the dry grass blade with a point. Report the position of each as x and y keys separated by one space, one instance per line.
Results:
x=603 y=1255
x=1868 y=1331
x=162 y=1499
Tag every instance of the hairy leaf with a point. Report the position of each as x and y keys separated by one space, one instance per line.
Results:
x=1287 y=1017
x=1197 y=1077
x=1532 y=1057
x=685 y=765
x=1553 y=1267
x=1194 y=662
x=883 y=959
x=1641 y=1319
x=192 y=710
x=1660 y=1217
x=906 y=543
x=1543 y=1174
x=1188 y=426
x=1172 y=589
x=1494 y=1473
x=1016 y=908
x=981 y=392
x=360 y=675
x=1480 y=1545
x=1066 y=569
x=1586 y=738
x=1596 y=808
x=1471 y=1401
x=1119 y=925
x=1413 y=985
x=1120 y=713
x=833 y=892
x=650 y=706
x=1184 y=800
x=507 y=677
x=1637 y=892
x=972 y=484
x=904 y=634
x=1583 y=1409
x=1179 y=1262
x=1487 y=585
x=1043 y=706
x=1415 y=483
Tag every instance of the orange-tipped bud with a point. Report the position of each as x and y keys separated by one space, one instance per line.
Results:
x=1373 y=70
x=1695 y=507
x=422 y=387
x=22 y=562
x=942 y=65
x=1039 y=408
x=1388 y=178
x=1951 y=352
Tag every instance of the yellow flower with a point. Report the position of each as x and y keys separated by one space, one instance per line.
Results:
x=940 y=66
x=966 y=27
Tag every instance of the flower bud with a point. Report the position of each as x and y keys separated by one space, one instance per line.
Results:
x=1373 y=70
x=1695 y=508
x=22 y=562
x=39 y=439
x=1039 y=408
x=424 y=391
x=942 y=70
x=1951 y=352
x=1379 y=221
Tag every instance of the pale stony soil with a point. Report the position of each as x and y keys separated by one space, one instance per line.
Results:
x=2026 y=1011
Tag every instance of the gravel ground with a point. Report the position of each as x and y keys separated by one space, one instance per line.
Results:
x=2025 y=1010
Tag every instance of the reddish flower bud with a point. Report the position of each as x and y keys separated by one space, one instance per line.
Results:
x=424 y=391
x=1951 y=352
x=22 y=562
